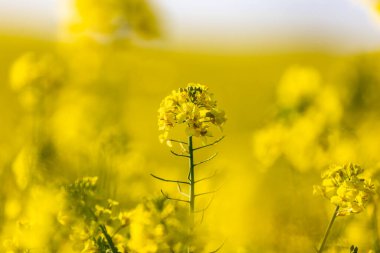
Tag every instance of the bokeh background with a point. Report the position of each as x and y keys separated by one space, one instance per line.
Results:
x=81 y=82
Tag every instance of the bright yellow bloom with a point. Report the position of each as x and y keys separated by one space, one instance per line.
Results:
x=344 y=188
x=194 y=107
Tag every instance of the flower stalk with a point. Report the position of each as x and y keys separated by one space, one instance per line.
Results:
x=347 y=190
x=109 y=239
x=195 y=108
x=191 y=177
x=322 y=246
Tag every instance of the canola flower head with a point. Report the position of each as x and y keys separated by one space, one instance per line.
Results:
x=194 y=107
x=344 y=187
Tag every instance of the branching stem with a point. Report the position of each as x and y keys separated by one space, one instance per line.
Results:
x=205 y=193
x=208 y=159
x=177 y=141
x=169 y=181
x=181 y=192
x=168 y=197
x=176 y=154
x=208 y=145
x=206 y=178
x=189 y=153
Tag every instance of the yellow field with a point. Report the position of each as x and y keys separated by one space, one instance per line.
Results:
x=78 y=110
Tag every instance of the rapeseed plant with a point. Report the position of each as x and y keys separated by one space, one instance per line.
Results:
x=83 y=131
x=196 y=109
x=96 y=224
x=349 y=192
x=92 y=220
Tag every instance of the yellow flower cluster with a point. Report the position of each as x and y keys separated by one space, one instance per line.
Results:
x=159 y=225
x=193 y=106
x=344 y=188
x=155 y=225
x=306 y=129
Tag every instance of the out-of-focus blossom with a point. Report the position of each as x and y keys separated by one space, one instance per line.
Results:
x=344 y=188
x=109 y=20
x=298 y=86
x=160 y=226
x=308 y=113
x=35 y=76
x=267 y=143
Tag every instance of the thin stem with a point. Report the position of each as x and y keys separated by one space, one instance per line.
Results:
x=221 y=246
x=375 y=227
x=108 y=238
x=206 y=207
x=118 y=230
x=205 y=193
x=181 y=192
x=208 y=145
x=176 y=154
x=168 y=180
x=208 y=159
x=192 y=176
x=328 y=230
x=175 y=199
x=178 y=141
x=206 y=178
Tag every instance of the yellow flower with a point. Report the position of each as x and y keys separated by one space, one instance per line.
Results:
x=299 y=85
x=117 y=19
x=36 y=76
x=194 y=107
x=344 y=188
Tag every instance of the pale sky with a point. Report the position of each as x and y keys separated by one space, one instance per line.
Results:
x=238 y=22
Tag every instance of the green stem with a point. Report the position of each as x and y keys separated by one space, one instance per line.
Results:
x=376 y=227
x=192 y=176
x=108 y=238
x=192 y=190
x=328 y=230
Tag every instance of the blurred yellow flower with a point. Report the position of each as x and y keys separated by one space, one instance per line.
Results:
x=34 y=76
x=160 y=226
x=344 y=188
x=42 y=71
x=298 y=86
x=193 y=106
x=114 y=18
x=268 y=143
